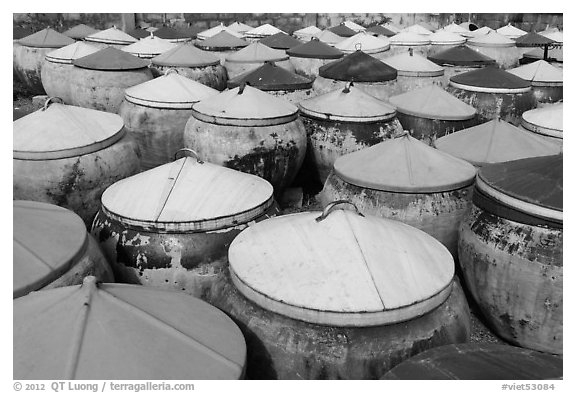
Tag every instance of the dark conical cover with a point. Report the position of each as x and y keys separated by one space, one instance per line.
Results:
x=80 y=31
x=47 y=38
x=490 y=77
x=461 y=56
x=110 y=59
x=533 y=39
x=280 y=41
x=315 y=49
x=139 y=33
x=342 y=30
x=222 y=41
x=190 y=31
x=271 y=77
x=169 y=33
x=380 y=30
x=358 y=67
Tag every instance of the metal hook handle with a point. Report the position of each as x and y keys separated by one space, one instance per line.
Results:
x=242 y=87
x=358 y=46
x=347 y=87
x=49 y=101
x=188 y=153
x=330 y=207
x=171 y=71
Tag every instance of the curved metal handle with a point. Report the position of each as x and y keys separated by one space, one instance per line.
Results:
x=330 y=207
x=170 y=71
x=49 y=101
x=347 y=87
x=189 y=153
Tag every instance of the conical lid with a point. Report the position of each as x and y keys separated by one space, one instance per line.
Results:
x=270 y=77
x=495 y=141
x=432 y=102
x=533 y=39
x=380 y=30
x=60 y=131
x=185 y=56
x=354 y=26
x=239 y=27
x=70 y=52
x=555 y=54
x=417 y=29
x=358 y=67
x=461 y=56
x=539 y=71
x=328 y=37
x=188 y=195
x=47 y=38
x=340 y=268
x=490 y=79
x=315 y=49
x=245 y=106
x=81 y=31
x=116 y=331
x=392 y=27
x=342 y=30
x=257 y=52
x=263 y=31
x=365 y=42
x=531 y=185
x=454 y=28
x=404 y=164
x=412 y=64
x=215 y=30
x=110 y=59
x=349 y=104
x=409 y=39
x=149 y=46
x=482 y=31
x=492 y=39
x=139 y=33
x=222 y=41
x=307 y=31
x=446 y=38
x=47 y=241
x=168 y=33
x=557 y=36
x=21 y=32
x=112 y=35
x=510 y=31
x=170 y=91
x=190 y=31
x=547 y=120
x=280 y=41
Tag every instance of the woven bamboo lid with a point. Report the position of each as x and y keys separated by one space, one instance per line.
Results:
x=256 y=52
x=185 y=55
x=495 y=141
x=47 y=38
x=510 y=31
x=340 y=268
x=490 y=80
x=540 y=73
x=149 y=47
x=222 y=41
x=270 y=77
x=60 y=131
x=81 y=31
x=315 y=49
x=110 y=59
x=71 y=52
x=113 y=36
x=461 y=56
x=187 y=195
x=280 y=40
x=365 y=42
x=47 y=241
x=119 y=331
x=409 y=39
x=412 y=64
x=358 y=67
x=546 y=121
x=404 y=164
x=169 y=91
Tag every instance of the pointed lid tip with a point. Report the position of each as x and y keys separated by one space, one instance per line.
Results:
x=493 y=39
x=270 y=77
x=47 y=38
x=110 y=58
x=358 y=67
x=432 y=102
x=112 y=35
x=490 y=78
x=539 y=71
x=185 y=55
x=222 y=40
x=461 y=56
x=70 y=52
x=412 y=64
x=280 y=40
x=257 y=52
x=342 y=30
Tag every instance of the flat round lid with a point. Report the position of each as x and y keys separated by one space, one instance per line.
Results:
x=263 y=31
x=380 y=30
x=461 y=56
x=169 y=91
x=409 y=39
x=339 y=268
x=533 y=39
x=530 y=185
x=110 y=59
x=365 y=42
x=112 y=35
x=478 y=361
x=416 y=29
x=239 y=27
x=354 y=26
x=349 y=104
x=280 y=40
x=169 y=33
x=328 y=37
x=71 y=52
x=491 y=80
x=60 y=131
x=404 y=164
x=185 y=55
x=315 y=49
x=139 y=33
x=491 y=39
x=149 y=46
x=444 y=37
x=412 y=64
x=342 y=30
x=222 y=41
x=307 y=31
x=113 y=331
x=47 y=38
x=81 y=31
x=432 y=102
x=539 y=71
x=495 y=141
x=188 y=195
x=270 y=77
x=510 y=31
x=48 y=240
x=245 y=106
x=358 y=67
x=547 y=120
x=215 y=30
x=256 y=52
